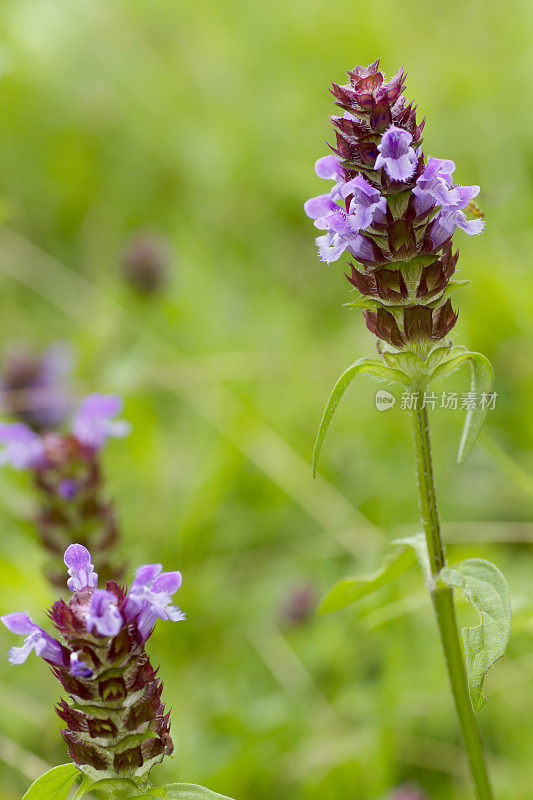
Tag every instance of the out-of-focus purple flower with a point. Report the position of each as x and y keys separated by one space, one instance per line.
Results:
x=298 y=605
x=78 y=561
x=150 y=597
x=408 y=792
x=36 y=639
x=68 y=488
x=395 y=154
x=145 y=262
x=23 y=448
x=93 y=423
x=103 y=614
x=35 y=388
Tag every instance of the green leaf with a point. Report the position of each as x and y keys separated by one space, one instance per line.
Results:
x=350 y=590
x=419 y=545
x=181 y=791
x=54 y=784
x=364 y=365
x=363 y=302
x=482 y=382
x=486 y=588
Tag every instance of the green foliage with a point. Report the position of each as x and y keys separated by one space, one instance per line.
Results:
x=56 y=784
x=181 y=791
x=202 y=121
x=482 y=383
x=350 y=590
x=368 y=366
x=486 y=588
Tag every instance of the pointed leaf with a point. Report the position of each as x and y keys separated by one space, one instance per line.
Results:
x=181 y=791
x=365 y=365
x=419 y=545
x=486 y=588
x=482 y=382
x=350 y=590
x=54 y=784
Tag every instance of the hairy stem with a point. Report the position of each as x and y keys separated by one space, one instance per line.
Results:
x=443 y=603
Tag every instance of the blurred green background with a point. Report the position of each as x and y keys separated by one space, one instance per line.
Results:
x=201 y=122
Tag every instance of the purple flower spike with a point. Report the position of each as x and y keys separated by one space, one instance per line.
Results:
x=23 y=447
x=395 y=155
x=78 y=561
x=103 y=614
x=150 y=597
x=36 y=639
x=93 y=423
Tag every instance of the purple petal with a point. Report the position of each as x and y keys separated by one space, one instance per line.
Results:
x=472 y=227
x=36 y=639
x=19 y=623
x=395 y=155
x=330 y=247
x=78 y=667
x=150 y=598
x=167 y=582
x=103 y=614
x=329 y=167
x=23 y=447
x=68 y=488
x=93 y=423
x=146 y=575
x=319 y=206
x=78 y=560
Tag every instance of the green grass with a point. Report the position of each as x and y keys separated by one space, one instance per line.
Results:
x=202 y=121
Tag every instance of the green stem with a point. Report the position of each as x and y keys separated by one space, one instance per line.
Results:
x=445 y=609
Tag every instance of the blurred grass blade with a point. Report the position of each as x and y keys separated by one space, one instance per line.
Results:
x=485 y=587
x=366 y=366
x=350 y=590
x=55 y=784
x=481 y=384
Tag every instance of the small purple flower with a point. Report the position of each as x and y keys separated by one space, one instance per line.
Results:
x=68 y=488
x=78 y=667
x=35 y=386
x=36 y=639
x=395 y=154
x=103 y=614
x=150 y=597
x=93 y=423
x=366 y=203
x=23 y=447
x=78 y=561
x=433 y=186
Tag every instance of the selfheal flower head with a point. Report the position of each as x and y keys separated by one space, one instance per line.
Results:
x=93 y=423
x=116 y=724
x=394 y=210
